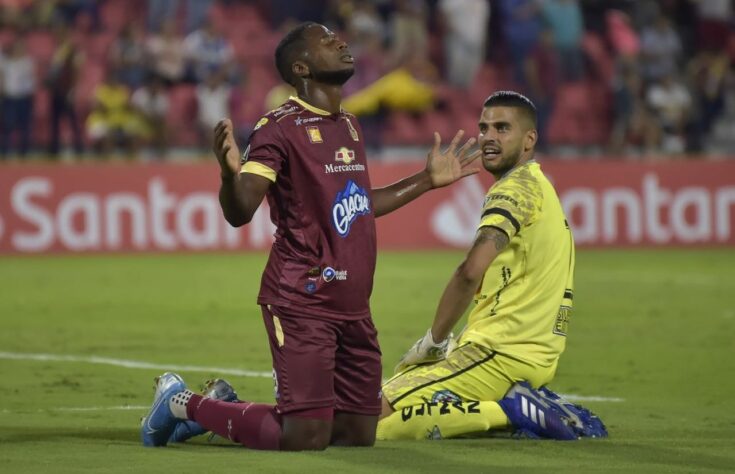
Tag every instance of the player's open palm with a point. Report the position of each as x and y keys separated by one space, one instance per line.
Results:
x=225 y=148
x=452 y=164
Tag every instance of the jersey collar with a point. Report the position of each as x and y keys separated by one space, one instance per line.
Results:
x=309 y=107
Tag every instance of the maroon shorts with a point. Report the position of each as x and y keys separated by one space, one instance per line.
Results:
x=323 y=363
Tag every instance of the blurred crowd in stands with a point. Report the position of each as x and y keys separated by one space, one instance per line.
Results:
x=642 y=79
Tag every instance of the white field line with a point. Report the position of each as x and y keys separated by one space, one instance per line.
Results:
x=132 y=364
x=590 y=398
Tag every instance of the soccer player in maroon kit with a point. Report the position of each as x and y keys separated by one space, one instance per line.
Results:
x=308 y=158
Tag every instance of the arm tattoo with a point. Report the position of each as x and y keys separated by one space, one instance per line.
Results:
x=496 y=235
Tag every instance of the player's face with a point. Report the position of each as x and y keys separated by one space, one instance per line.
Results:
x=503 y=138
x=328 y=58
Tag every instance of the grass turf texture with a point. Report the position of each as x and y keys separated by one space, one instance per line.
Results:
x=652 y=327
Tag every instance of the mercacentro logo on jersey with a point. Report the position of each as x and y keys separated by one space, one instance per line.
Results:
x=347 y=157
x=349 y=204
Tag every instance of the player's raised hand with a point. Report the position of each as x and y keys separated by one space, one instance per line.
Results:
x=225 y=149
x=452 y=164
x=426 y=350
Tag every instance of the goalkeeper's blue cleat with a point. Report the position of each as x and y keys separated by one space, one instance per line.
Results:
x=532 y=416
x=217 y=389
x=584 y=423
x=159 y=423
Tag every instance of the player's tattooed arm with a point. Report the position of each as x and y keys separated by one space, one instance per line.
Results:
x=463 y=284
x=492 y=234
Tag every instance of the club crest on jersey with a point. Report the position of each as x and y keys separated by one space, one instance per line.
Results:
x=350 y=203
x=315 y=136
x=345 y=155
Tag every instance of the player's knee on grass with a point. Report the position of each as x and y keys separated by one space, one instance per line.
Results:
x=354 y=430
x=306 y=431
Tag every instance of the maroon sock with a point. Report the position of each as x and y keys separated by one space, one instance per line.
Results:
x=253 y=425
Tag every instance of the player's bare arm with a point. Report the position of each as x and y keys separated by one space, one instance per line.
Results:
x=489 y=242
x=458 y=294
x=240 y=194
x=442 y=168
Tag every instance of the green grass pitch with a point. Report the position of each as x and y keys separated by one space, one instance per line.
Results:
x=653 y=328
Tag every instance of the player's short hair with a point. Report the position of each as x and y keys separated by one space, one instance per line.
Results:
x=288 y=48
x=516 y=100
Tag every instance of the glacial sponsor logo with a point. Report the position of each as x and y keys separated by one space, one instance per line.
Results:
x=330 y=274
x=300 y=120
x=350 y=203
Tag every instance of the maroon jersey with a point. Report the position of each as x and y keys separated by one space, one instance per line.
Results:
x=323 y=259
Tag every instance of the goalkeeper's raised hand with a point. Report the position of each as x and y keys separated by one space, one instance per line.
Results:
x=427 y=350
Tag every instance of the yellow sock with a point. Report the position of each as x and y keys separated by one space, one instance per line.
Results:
x=437 y=420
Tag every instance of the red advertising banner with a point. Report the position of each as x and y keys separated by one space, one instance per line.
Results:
x=174 y=207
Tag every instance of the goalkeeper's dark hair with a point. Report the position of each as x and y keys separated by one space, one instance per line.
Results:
x=516 y=100
x=288 y=48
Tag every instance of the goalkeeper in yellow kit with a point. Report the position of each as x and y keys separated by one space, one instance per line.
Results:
x=519 y=272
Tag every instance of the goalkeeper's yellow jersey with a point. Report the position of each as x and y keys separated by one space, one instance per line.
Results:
x=523 y=305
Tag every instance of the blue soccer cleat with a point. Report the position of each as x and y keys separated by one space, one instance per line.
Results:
x=159 y=423
x=532 y=416
x=217 y=389
x=583 y=421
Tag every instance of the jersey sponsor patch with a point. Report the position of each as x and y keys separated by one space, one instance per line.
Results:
x=330 y=274
x=315 y=136
x=260 y=123
x=349 y=204
x=561 y=325
x=299 y=120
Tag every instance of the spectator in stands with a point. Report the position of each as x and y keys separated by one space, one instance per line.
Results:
x=466 y=25
x=622 y=36
x=67 y=12
x=632 y=123
x=410 y=87
x=564 y=17
x=369 y=54
x=17 y=86
x=541 y=79
x=207 y=51
x=113 y=122
x=521 y=26
x=165 y=53
x=409 y=30
x=151 y=103
x=715 y=19
x=709 y=73
x=671 y=104
x=278 y=95
x=62 y=79
x=127 y=55
x=213 y=103
x=660 y=50
x=161 y=10
x=17 y=13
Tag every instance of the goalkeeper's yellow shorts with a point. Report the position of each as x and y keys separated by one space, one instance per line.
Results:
x=470 y=372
